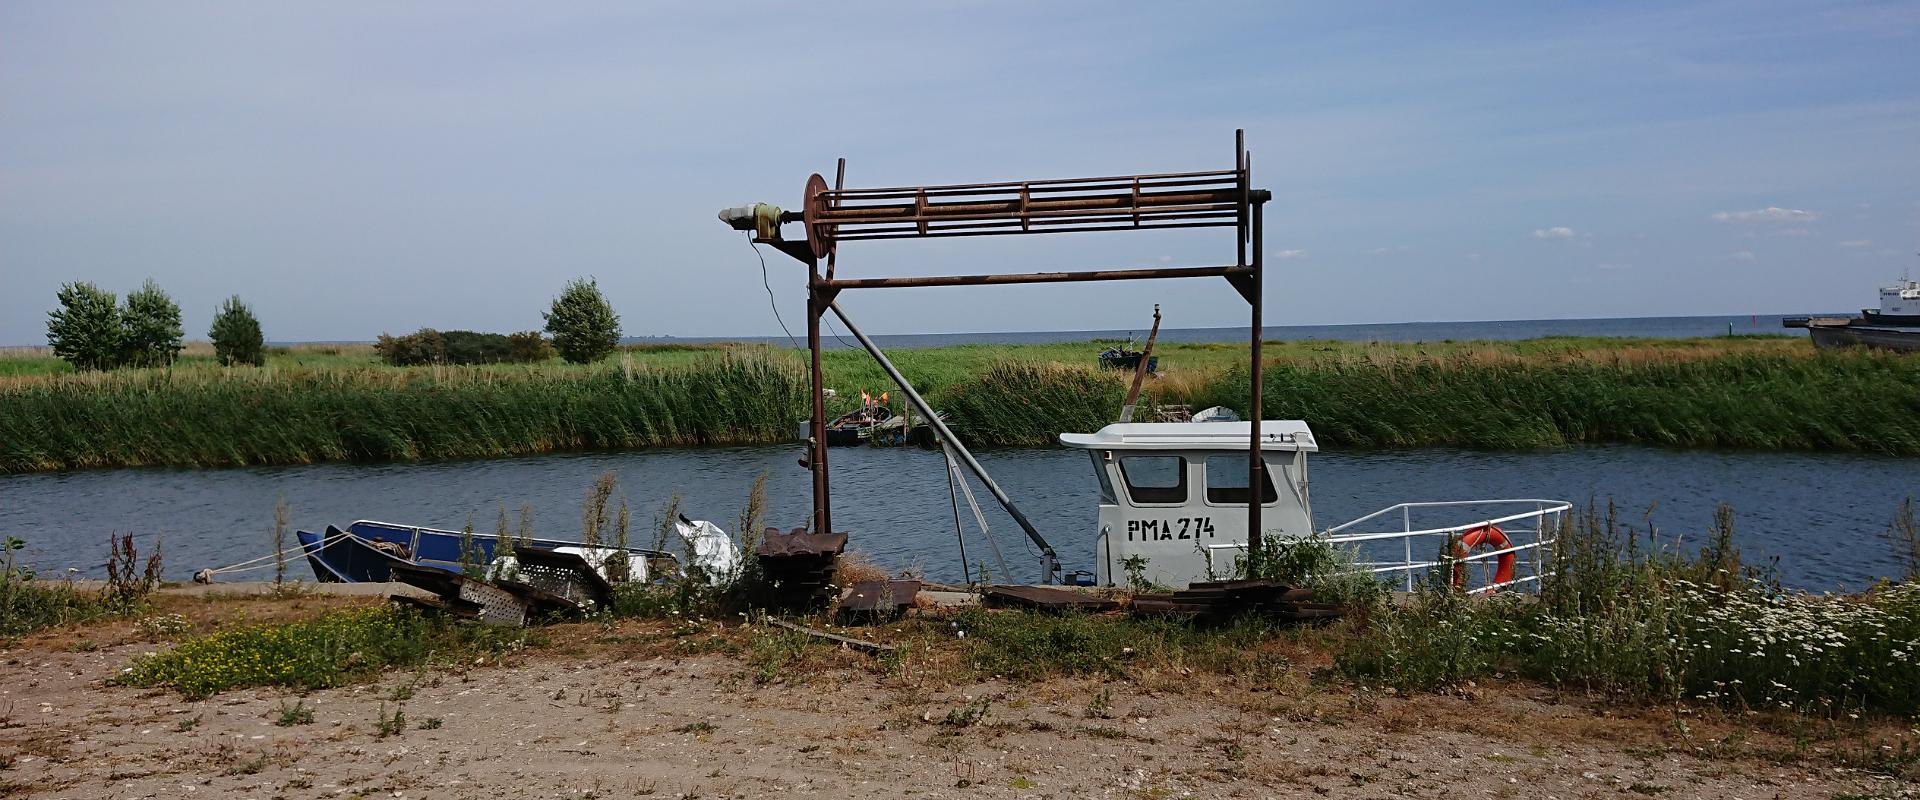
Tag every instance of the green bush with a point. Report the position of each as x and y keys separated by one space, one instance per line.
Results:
x=429 y=346
x=85 y=330
x=236 y=335
x=150 y=328
x=584 y=327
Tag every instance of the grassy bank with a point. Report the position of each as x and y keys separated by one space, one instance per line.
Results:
x=336 y=403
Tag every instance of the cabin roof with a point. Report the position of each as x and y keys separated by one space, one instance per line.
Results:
x=1276 y=434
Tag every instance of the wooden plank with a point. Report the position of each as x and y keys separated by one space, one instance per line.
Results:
x=875 y=648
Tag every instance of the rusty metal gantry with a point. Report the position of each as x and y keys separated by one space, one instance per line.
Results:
x=1212 y=199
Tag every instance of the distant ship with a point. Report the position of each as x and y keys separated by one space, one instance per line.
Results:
x=1895 y=325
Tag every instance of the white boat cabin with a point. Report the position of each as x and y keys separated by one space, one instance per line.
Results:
x=1173 y=495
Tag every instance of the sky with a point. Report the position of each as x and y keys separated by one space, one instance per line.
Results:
x=354 y=168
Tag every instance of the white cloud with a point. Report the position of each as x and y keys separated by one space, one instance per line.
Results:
x=1381 y=251
x=1856 y=244
x=1741 y=255
x=1558 y=232
x=1768 y=214
x=1290 y=254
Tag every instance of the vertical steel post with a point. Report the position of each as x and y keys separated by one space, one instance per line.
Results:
x=822 y=521
x=1256 y=465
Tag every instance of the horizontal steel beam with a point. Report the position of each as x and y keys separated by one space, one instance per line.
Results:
x=1036 y=277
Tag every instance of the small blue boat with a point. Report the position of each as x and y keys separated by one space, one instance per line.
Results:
x=367 y=550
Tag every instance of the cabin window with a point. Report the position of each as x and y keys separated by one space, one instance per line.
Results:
x=1100 y=472
x=1155 y=479
x=1227 y=480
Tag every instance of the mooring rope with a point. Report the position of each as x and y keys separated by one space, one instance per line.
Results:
x=272 y=559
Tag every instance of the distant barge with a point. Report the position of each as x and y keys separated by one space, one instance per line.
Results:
x=1895 y=325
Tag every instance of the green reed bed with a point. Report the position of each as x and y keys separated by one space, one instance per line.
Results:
x=302 y=416
x=1747 y=393
x=1840 y=401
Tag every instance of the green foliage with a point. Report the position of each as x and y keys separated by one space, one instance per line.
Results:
x=151 y=332
x=334 y=650
x=28 y=604
x=528 y=347
x=429 y=346
x=85 y=330
x=296 y=714
x=1312 y=563
x=421 y=347
x=236 y=335
x=584 y=327
x=1620 y=615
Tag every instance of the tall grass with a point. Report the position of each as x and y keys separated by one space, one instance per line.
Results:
x=1841 y=401
x=1750 y=393
x=249 y=417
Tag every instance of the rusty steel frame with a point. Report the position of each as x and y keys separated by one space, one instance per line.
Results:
x=1209 y=199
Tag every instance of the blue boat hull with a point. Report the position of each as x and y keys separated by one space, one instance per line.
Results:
x=367 y=551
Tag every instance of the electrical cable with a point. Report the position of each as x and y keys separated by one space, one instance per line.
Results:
x=764 y=281
x=836 y=335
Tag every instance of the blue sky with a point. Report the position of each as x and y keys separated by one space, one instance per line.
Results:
x=354 y=168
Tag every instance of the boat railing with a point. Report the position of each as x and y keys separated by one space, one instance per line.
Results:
x=1528 y=531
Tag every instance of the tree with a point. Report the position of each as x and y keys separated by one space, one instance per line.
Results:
x=85 y=330
x=150 y=327
x=236 y=335
x=583 y=325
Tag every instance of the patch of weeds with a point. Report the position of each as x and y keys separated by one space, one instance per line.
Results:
x=1031 y=646
x=163 y=626
x=249 y=766
x=430 y=724
x=697 y=728
x=28 y=604
x=83 y=646
x=387 y=726
x=1649 y=789
x=775 y=651
x=1101 y=706
x=296 y=714
x=1105 y=732
x=187 y=724
x=968 y=715
x=1020 y=783
x=330 y=651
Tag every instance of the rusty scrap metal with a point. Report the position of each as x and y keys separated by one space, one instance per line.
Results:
x=1046 y=598
x=1158 y=201
x=1221 y=601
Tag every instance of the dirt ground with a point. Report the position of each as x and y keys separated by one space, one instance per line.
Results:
x=587 y=716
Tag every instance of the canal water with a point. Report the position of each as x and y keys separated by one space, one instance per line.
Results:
x=1822 y=516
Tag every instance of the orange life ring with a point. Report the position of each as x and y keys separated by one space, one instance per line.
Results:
x=1483 y=536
